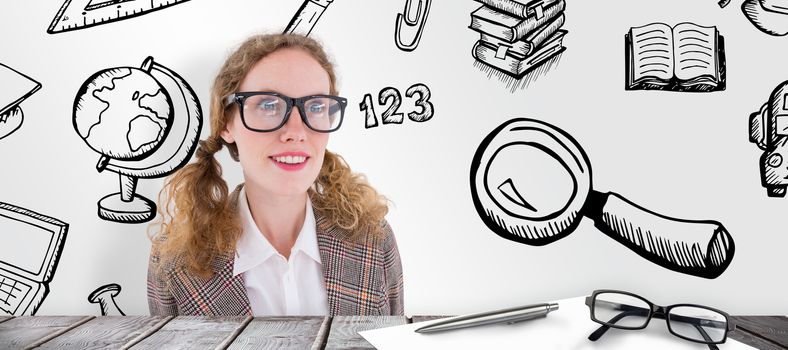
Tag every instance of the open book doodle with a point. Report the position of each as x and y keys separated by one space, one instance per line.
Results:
x=687 y=57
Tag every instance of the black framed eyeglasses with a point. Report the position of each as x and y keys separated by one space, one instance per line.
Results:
x=264 y=111
x=624 y=310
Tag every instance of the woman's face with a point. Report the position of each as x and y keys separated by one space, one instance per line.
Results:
x=285 y=161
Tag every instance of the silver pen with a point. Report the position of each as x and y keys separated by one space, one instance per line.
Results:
x=511 y=315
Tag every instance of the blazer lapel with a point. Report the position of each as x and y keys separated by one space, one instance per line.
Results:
x=331 y=248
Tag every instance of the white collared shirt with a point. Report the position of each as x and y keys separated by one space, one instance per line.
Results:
x=275 y=285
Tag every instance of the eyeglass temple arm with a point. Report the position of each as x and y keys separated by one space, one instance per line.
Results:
x=230 y=99
x=599 y=332
x=334 y=108
x=705 y=337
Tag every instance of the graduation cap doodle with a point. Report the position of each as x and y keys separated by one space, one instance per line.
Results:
x=15 y=87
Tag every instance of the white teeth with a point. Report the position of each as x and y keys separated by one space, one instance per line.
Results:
x=290 y=159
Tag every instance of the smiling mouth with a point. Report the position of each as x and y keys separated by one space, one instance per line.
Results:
x=292 y=160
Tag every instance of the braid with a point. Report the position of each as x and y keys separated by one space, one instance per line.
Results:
x=202 y=211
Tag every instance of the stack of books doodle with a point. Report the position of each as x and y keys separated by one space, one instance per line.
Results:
x=518 y=36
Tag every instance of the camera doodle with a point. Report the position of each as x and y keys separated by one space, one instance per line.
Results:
x=769 y=130
x=531 y=183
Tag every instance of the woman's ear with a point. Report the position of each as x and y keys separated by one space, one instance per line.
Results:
x=226 y=135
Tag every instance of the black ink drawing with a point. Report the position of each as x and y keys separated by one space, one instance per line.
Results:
x=105 y=297
x=769 y=130
x=306 y=17
x=515 y=205
x=79 y=14
x=391 y=114
x=723 y=3
x=145 y=123
x=769 y=16
x=15 y=87
x=31 y=247
x=404 y=20
x=685 y=58
x=519 y=42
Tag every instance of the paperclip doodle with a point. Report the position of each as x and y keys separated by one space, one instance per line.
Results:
x=422 y=11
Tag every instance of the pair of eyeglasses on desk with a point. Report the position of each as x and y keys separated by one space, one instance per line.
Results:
x=624 y=310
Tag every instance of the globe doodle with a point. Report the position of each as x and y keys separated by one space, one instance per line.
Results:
x=122 y=113
x=144 y=123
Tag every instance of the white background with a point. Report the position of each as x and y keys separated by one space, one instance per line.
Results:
x=684 y=155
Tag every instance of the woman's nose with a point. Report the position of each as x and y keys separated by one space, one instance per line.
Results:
x=294 y=129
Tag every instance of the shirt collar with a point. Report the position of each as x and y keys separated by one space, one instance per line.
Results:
x=253 y=248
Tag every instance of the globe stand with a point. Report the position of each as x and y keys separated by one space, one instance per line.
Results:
x=126 y=206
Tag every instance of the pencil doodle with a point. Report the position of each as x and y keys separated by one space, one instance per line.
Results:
x=531 y=183
x=391 y=114
x=404 y=21
x=768 y=16
x=684 y=58
x=105 y=297
x=32 y=245
x=80 y=14
x=145 y=123
x=15 y=87
x=518 y=42
x=306 y=17
x=769 y=130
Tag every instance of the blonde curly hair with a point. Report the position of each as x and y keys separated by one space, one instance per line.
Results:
x=198 y=220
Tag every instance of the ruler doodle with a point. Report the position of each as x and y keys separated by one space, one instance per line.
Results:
x=79 y=14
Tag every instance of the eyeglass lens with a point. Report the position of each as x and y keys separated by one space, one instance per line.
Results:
x=621 y=310
x=267 y=112
x=697 y=323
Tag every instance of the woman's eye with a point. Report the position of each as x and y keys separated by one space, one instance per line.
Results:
x=268 y=105
x=317 y=108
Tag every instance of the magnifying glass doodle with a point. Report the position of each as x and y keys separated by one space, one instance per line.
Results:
x=531 y=183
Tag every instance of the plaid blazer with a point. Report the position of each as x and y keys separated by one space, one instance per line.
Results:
x=362 y=278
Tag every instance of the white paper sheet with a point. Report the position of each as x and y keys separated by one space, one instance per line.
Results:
x=566 y=328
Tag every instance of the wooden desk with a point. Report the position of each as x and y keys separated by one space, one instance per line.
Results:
x=153 y=332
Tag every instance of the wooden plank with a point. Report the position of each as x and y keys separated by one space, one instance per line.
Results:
x=770 y=329
x=344 y=330
x=105 y=332
x=291 y=332
x=753 y=340
x=190 y=332
x=25 y=332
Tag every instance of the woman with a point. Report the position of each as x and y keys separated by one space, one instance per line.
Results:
x=303 y=235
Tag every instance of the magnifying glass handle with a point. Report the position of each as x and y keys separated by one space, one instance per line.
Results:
x=702 y=248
